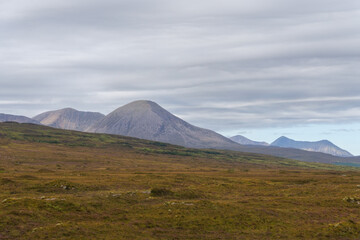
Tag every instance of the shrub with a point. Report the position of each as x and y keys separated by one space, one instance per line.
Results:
x=160 y=192
x=4 y=181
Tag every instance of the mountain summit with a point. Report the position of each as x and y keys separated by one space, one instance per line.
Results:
x=147 y=120
x=69 y=118
x=323 y=146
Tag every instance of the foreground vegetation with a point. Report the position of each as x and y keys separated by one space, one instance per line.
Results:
x=57 y=184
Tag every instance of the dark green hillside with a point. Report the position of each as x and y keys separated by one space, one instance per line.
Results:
x=29 y=134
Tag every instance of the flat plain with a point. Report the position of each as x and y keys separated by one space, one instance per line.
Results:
x=58 y=184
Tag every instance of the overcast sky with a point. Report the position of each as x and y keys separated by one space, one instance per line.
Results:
x=261 y=68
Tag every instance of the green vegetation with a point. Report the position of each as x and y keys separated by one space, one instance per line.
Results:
x=57 y=184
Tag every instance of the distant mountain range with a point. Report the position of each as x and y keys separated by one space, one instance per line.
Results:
x=245 y=141
x=69 y=118
x=147 y=120
x=323 y=146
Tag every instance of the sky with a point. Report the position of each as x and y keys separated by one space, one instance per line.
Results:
x=260 y=68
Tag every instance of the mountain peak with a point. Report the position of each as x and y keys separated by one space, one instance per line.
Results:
x=284 y=138
x=69 y=118
x=142 y=102
x=326 y=142
x=148 y=120
x=282 y=141
x=141 y=105
x=68 y=109
x=145 y=111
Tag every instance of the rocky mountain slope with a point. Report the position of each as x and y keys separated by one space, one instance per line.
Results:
x=69 y=118
x=147 y=120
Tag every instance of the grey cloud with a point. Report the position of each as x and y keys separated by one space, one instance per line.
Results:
x=219 y=64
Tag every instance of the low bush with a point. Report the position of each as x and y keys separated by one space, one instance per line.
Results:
x=160 y=192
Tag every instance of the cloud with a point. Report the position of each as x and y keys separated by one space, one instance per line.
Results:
x=218 y=64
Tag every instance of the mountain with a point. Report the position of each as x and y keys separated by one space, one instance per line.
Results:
x=147 y=120
x=323 y=146
x=245 y=141
x=69 y=118
x=16 y=118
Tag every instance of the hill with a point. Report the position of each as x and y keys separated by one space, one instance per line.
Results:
x=147 y=120
x=15 y=133
x=69 y=118
x=323 y=146
x=245 y=141
x=16 y=118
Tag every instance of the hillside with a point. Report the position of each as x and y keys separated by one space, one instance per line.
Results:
x=69 y=118
x=36 y=134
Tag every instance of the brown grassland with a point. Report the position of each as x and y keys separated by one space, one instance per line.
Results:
x=57 y=184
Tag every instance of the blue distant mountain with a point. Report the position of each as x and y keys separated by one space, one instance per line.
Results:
x=323 y=146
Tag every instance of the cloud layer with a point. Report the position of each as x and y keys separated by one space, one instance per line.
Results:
x=224 y=65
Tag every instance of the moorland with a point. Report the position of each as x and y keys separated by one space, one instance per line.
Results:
x=60 y=184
